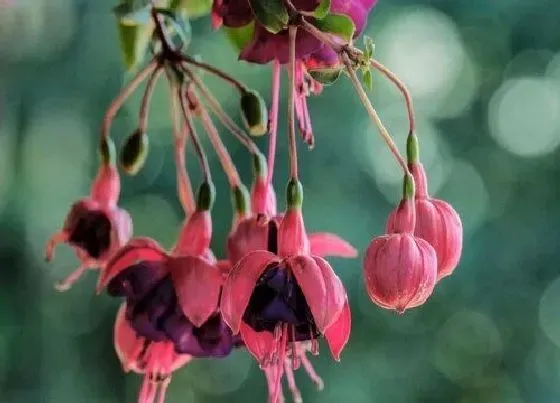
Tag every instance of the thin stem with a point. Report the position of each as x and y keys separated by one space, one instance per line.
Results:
x=401 y=87
x=180 y=134
x=273 y=126
x=223 y=154
x=145 y=104
x=221 y=114
x=373 y=114
x=217 y=72
x=204 y=166
x=292 y=31
x=123 y=96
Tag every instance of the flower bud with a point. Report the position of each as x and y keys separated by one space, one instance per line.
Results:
x=254 y=113
x=134 y=153
x=400 y=269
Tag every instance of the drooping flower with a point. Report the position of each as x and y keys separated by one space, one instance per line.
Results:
x=284 y=295
x=436 y=222
x=157 y=360
x=174 y=296
x=400 y=269
x=95 y=227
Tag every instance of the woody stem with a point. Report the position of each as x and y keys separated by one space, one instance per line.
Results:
x=180 y=134
x=292 y=31
x=118 y=102
x=223 y=154
x=273 y=125
x=373 y=114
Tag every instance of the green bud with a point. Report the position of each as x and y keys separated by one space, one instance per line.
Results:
x=259 y=165
x=408 y=187
x=294 y=194
x=254 y=113
x=134 y=153
x=107 y=151
x=206 y=196
x=412 y=149
x=240 y=199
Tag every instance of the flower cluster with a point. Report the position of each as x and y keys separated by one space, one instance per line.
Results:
x=274 y=293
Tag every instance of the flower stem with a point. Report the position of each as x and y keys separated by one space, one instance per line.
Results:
x=221 y=114
x=215 y=71
x=292 y=31
x=223 y=154
x=373 y=114
x=273 y=122
x=118 y=102
x=181 y=134
x=204 y=166
x=145 y=104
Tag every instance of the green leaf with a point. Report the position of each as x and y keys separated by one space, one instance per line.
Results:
x=337 y=24
x=270 y=13
x=369 y=47
x=128 y=14
x=326 y=76
x=323 y=10
x=180 y=25
x=134 y=41
x=240 y=37
x=368 y=79
x=193 y=8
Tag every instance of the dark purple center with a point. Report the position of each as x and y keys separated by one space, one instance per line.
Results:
x=92 y=232
x=153 y=311
x=277 y=298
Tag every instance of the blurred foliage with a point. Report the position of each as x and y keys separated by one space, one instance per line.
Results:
x=486 y=80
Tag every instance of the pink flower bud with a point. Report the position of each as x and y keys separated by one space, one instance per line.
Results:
x=400 y=269
x=436 y=222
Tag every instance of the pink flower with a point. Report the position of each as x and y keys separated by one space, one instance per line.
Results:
x=156 y=360
x=400 y=269
x=436 y=222
x=280 y=297
x=95 y=227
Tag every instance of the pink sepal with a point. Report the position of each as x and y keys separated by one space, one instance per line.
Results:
x=292 y=238
x=326 y=244
x=195 y=235
x=338 y=333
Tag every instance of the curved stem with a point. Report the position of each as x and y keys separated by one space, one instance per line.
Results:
x=180 y=135
x=401 y=87
x=204 y=166
x=273 y=125
x=292 y=31
x=123 y=96
x=215 y=71
x=145 y=104
x=221 y=114
x=373 y=115
x=223 y=154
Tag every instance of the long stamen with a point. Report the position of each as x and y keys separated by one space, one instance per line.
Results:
x=222 y=115
x=223 y=154
x=124 y=95
x=180 y=135
x=204 y=166
x=373 y=114
x=273 y=123
x=145 y=104
x=292 y=30
x=316 y=379
x=296 y=394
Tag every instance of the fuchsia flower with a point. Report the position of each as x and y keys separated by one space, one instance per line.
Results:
x=400 y=269
x=284 y=295
x=436 y=222
x=156 y=360
x=95 y=227
x=174 y=296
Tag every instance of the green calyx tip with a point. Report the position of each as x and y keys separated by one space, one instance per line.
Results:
x=134 y=153
x=412 y=149
x=254 y=112
x=107 y=151
x=240 y=199
x=294 y=194
x=408 y=187
x=259 y=165
x=206 y=196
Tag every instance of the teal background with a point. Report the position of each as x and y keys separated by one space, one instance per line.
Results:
x=485 y=76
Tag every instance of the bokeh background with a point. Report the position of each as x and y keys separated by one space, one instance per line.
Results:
x=485 y=76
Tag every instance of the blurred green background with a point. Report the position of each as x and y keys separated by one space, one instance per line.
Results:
x=485 y=76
